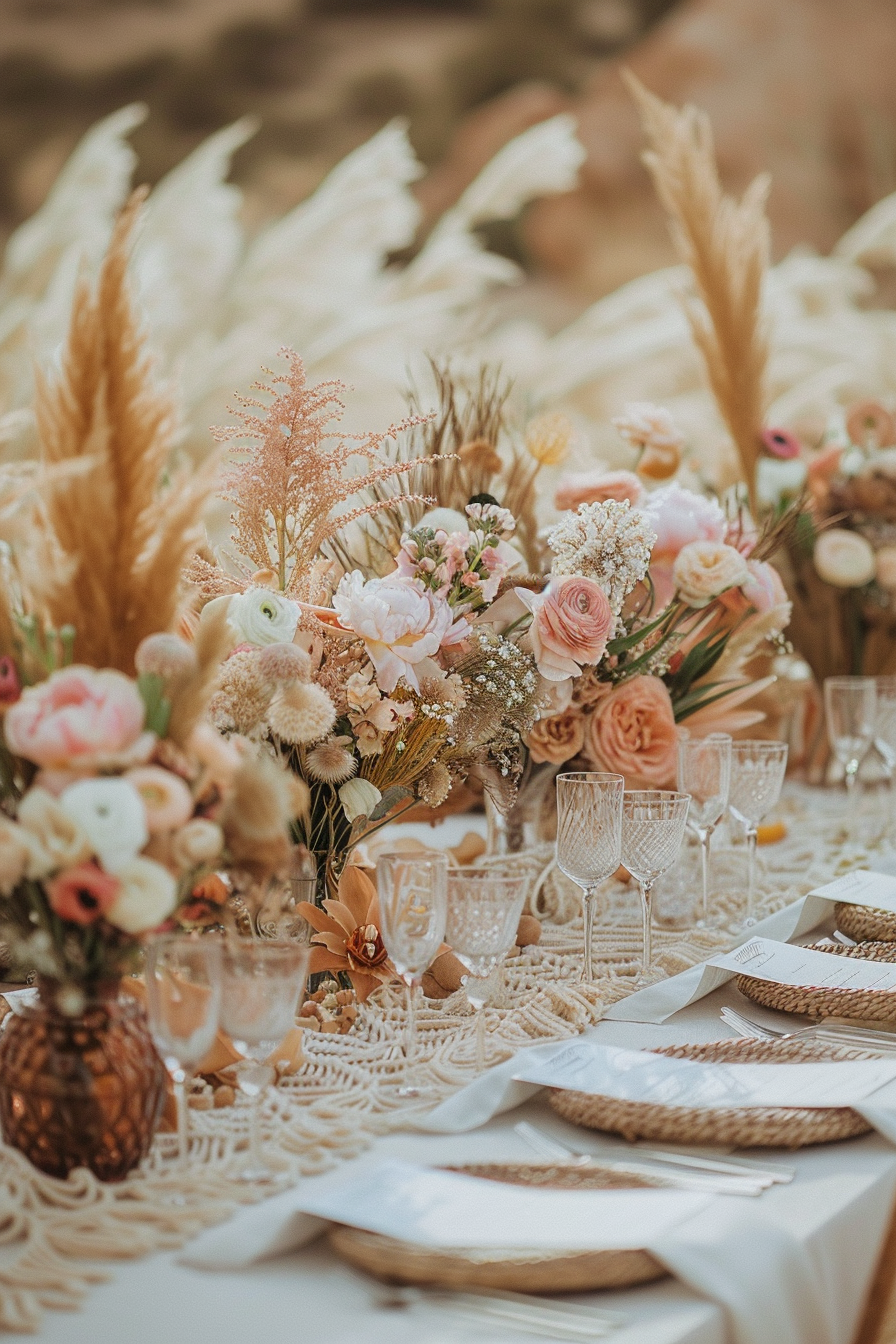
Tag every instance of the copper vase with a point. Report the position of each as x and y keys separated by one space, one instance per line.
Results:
x=81 y=1091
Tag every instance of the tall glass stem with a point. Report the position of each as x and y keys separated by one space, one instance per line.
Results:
x=852 y=800
x=588 y=896
x=480 y=1036
x=410 y=1086
x=647 y=925
x=752 y=836
x=704 y=835
x=179 y=1079
x=257 y=1162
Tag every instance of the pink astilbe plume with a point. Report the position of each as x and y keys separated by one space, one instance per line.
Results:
x=290 y=490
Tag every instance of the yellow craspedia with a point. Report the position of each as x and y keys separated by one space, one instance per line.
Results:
x=548 y=438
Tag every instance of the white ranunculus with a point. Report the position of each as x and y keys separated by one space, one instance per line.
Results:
x=199 y=842
x=148 y=895
x=54 y=838
x=844 y=559
x=358 y=798
x=260 y=617
x=451 y=520
x=778 y=477
x=111 y=814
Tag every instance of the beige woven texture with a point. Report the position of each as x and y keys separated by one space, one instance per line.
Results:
x=53 y=1234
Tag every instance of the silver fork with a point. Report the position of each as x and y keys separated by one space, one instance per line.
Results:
x=518 y=1311
x=702 y=1174
x=884 y=1041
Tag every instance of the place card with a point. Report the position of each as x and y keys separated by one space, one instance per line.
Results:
x=789 y=964
x=861 y=887
x=431 y=1207
x=638 y=1075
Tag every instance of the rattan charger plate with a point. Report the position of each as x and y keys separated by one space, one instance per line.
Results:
x=871 y=1005
x=746 y=1127
x=529 y=1271
x=864 y=922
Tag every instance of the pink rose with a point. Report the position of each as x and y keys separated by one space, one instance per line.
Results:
x=595 y=487
x=82 y=894
x=79 y=717
x=632 y=733
x=678 y=517
x=572 y=622
x=557 y=738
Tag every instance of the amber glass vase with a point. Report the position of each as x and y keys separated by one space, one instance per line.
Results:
x=81 y=1091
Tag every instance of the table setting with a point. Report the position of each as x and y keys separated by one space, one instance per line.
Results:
x=416 y=916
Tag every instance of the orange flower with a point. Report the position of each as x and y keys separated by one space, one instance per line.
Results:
x=347 y=935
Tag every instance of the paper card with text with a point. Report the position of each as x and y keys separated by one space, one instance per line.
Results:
x=788 y=964
x=861 y=887
x=638 y=1075
x=443 y=1208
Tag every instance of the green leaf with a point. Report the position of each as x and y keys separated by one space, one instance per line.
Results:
x=158 y=706
x=634 y=637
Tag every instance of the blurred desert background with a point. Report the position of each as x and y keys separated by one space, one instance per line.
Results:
x=803 y=88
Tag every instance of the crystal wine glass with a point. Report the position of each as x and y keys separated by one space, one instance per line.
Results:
x=183 y=1005
x=704 y=771
x=849 y=708
x=412 y=896
x=757 y=775
x=262 y=984
x=653 y=822
x=885 y=731
x=589 y=838
x=484 y=908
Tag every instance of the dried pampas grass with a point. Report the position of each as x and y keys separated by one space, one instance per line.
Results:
x=118 y=536
x=213 y=641
x=725 y=242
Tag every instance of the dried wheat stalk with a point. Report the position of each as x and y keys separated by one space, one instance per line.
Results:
x=119 y=537
x=725 y=242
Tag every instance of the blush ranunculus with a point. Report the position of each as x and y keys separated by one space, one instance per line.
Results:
x=558 y=737
x=82 y=894
x=678 y=517
x=594 y=487
x=166 y=798
x=572 y=621
x=706 y=569
x=632 y=733
x=79 y=716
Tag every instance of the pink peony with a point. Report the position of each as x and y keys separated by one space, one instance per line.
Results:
x=572 y=623
x=594 y=487
x=632 y=733
x=79 y=717
x=399 y=621
x=82 y=894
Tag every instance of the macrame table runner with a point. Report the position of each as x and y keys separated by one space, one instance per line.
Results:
x=55 y=1234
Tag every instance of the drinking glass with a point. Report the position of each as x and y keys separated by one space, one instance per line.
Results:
x=183 y=1005
x=589 y=838
x=704 y=771
x=262 y=984
x=757 y=774
x=484 y=908
x=412 y=895
x=849 y=709
x=885 y=733
x=653 y=822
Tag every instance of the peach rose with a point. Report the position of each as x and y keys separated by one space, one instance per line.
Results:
x=594 y=487
x=572 y=623
x=78 y=716
x=632 y=733
x=557 y=738
x=706 y=569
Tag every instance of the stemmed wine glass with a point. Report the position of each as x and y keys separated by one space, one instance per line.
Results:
x=589 y=838
x=757 y=775
x=412 y=896
x=885 y=732
x=653 y=822
x=262 y=984
x=484 y=908
x=704 y=771
x=850 y=704
x=183 y=1005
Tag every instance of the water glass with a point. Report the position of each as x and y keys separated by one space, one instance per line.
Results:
x=484 y=908
x=757 y=776
x=262 y=985
x=704 y=771
x=412 y=890
x=183 y=1006
x=885 y=732
x=589 y=839
x=850 y=705
x=653 y=824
